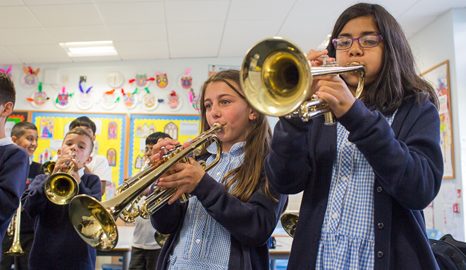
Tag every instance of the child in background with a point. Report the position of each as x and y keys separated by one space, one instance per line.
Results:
x=23 y=134
x=99 y=164
x=14 y=161
x=68 y=250
x=367 y=178
x=145 y=250
x=232 y=211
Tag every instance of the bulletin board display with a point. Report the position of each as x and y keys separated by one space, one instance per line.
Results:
x=180 y=127
x=14 y=118
x=110 y=138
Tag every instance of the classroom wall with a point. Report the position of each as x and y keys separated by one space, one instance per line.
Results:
x=442 y=40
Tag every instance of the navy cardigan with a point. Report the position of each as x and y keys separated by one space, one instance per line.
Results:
x=250 y=224
x=408 y=166
x=14 y=166
x=56 y=244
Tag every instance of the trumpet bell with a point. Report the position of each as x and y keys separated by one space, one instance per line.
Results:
x=276 y=80
x=289 y=222
x=93 y=223
x=60 y=188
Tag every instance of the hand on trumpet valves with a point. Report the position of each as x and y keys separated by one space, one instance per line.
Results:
x=184 y=176
x=68 y=163
x=333 y=90
x=320 y=58
x=160 y=149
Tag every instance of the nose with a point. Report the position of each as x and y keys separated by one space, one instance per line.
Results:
x=355 y=49
x=215 y=111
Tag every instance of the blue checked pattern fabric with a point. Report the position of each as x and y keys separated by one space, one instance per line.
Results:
x=347 y=236
x=203 y=243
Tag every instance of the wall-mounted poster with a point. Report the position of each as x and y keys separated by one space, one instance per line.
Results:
x=15 y=117
x=439 y=77
x=180 y=127
x=110 y=138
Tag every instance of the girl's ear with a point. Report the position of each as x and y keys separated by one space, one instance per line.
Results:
x=252 y=115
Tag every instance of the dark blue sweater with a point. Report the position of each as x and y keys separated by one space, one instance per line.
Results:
x=408 y=166
x=14 y=166
x=249 y=223
x=56 y=245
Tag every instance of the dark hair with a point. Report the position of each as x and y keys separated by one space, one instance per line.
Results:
x=397 y=79
x=83 y=121
x=243 y=181
x=81 y=131
x=154 y=137
x=20 y=128
x=7 y=89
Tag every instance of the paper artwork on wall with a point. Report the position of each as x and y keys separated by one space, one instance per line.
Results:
x=172 y=130
x=39 y=97
x=30 y=76
x=174 y=101
x=194 y=100
x=186 y=80
x=149 y=100
x=63 y=99
x=111 y=157
x=115 y=80
x=110 y=99
x=7 y=70
x=141 y=81
x=161 y=79
x=84 y=98
x=130 y=99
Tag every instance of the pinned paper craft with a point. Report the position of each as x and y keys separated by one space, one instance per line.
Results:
x=31 y=76
x=7 y=71
x=130 y=99
x=62 y=100
x=174 y=101
x=194 y=99
x=161 y=79
x=84 y=99
x=115 y=80
x=186 y=79
x=149 y=100
x=141 y=80
x=110 y=99
x=38 y=98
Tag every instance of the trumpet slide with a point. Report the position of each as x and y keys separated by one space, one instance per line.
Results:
x=15 y=224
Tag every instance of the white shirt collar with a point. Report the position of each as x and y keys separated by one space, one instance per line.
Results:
x=5 y=141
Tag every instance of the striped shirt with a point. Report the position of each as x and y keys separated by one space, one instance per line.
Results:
x=347 y=236
x=203 y=243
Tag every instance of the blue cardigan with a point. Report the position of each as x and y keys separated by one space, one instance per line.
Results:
x=14 y=166
x=408 y=166
x=249 y=223
x=56 y=244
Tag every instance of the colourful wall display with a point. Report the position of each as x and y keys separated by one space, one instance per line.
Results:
x=180 y=127
x=110 y=138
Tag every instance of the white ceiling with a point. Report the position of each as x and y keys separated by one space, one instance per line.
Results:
x=30 y=30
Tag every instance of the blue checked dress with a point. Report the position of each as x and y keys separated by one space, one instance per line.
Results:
x=347 y=236
x=203 y=243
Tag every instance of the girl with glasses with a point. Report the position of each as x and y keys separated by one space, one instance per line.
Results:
x=367 y=178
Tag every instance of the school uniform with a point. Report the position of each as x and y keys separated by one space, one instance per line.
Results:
x=215 y=230
x=14 y=166
x=56 y=245
x=407 y=164
x=26 y=230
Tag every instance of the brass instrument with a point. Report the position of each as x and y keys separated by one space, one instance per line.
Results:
x=277 y=78
x=14 y=230
x=161 y=238
x=95 y=222
x=61 y=187
x=289 y=222
x=48 y=167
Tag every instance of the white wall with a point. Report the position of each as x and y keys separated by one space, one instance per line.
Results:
x=442 y=40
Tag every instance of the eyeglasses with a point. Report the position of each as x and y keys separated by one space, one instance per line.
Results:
x=365 y=41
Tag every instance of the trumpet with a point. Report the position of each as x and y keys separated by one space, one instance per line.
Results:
x=95 y=222
x=14 y=230
x=277 y=77
x=60 y=187
x=289 y=222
